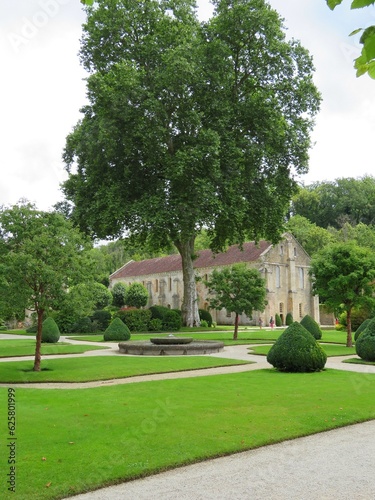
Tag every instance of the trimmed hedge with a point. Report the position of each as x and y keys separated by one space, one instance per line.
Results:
x=365 y=345
x=289 y=319
x=362 y=327
x=136 y=320
x=278 y=321
x=296 y=350
x=205 y=316
x=170 y=318
x=311 y=326
x=117 y=330
x=83 y=325
x=50 y=331
x=102 y=319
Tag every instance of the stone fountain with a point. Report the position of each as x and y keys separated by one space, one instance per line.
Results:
x=171 y=345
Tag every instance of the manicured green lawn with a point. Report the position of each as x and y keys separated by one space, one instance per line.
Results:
x=357 y=361
x=104 y=367
x=330 y=350
x=70 y=441
x=26 y=347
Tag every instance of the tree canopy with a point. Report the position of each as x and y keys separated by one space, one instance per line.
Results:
x=189 y=125
x=365 y=63
x=343 y=275
x=238 y=289
x=41 y=255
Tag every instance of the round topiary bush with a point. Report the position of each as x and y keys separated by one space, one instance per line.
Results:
x=50 y=331
x=362 y=327
x=172 y=320
x=296 y=350
x=365 y=345
x=312 y=326
x=278 y=321
x=117 y=330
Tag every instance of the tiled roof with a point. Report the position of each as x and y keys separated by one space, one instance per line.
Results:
x=250 y=252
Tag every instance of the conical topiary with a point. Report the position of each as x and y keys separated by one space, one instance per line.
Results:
x=362 y=327
x=312 y=326
x=289 y=319
x=50 y=331
x=365 y=345
x=117 y=330
x=296 y=350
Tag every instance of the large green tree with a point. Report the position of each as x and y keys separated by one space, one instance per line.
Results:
x=238 y=289
x=41 y=255
x=343 y=275
x=189 y=125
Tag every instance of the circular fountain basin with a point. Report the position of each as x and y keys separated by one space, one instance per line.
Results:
x=171 y=340
x=192 y=348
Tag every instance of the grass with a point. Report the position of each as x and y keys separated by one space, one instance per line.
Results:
x=25 y=347
x=330 y=350
x=357 y=361
x=105 y=367
x=72 y=441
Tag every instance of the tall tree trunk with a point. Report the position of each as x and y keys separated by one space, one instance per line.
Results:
x=349 y=341
x=190 y=313
x=236 y=321
x=38 y=344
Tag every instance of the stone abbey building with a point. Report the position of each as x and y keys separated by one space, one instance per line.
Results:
x=283 y=266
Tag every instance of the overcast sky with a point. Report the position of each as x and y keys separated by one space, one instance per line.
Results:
x=43 y=88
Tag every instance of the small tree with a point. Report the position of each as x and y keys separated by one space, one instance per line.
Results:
x=118 y=293
x=41 y=255
x=136 y=295
x=237 y=289
x=343 y=275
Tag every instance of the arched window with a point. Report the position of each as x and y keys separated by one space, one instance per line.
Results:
x=301 y=278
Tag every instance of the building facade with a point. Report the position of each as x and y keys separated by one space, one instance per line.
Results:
x=283 y=266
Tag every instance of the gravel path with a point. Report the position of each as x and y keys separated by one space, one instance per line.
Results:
x=333 y=465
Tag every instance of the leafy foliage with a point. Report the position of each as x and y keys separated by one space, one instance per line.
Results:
x=237 y=289
x=118 y=294
x=278 y=321
x=136 y=295
x=365 y=63
x=155 y=325
x=362 y=327
x=206 y=131
x=296 y=350
x=365 y=345
x=343 y=275
x=289 y=319
x=101 y=318
x=83 y=325
x=171 y=321
x=205 y=316
x=136 y=320
x=50 y=331
x=311 y=326
x=117 y=330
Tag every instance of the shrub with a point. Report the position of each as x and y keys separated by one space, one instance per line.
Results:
x=155 y=325
x=171 y=320
x=365 y=345
x=205 y=316
x=296 y=350
x=136 y=295
x=137 y=320
x=118 y=293
x=204 y=323
x=278 y=321
x=357 y=317
x=83 y=325
x=158 y=311
x=289 y=319
x=102 y=319
x=50 y=331
x=117 y=330
x=32 y=329
x=362 y=327
x=311 y=326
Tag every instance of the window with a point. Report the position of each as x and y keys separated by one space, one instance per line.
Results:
x=300 y=310
x=281 y=250
x=229 y=314
x=170 y=284
x=301 y=278
x=281 y=307
x=278 y=277
x=156 y=285
x=295 y=252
